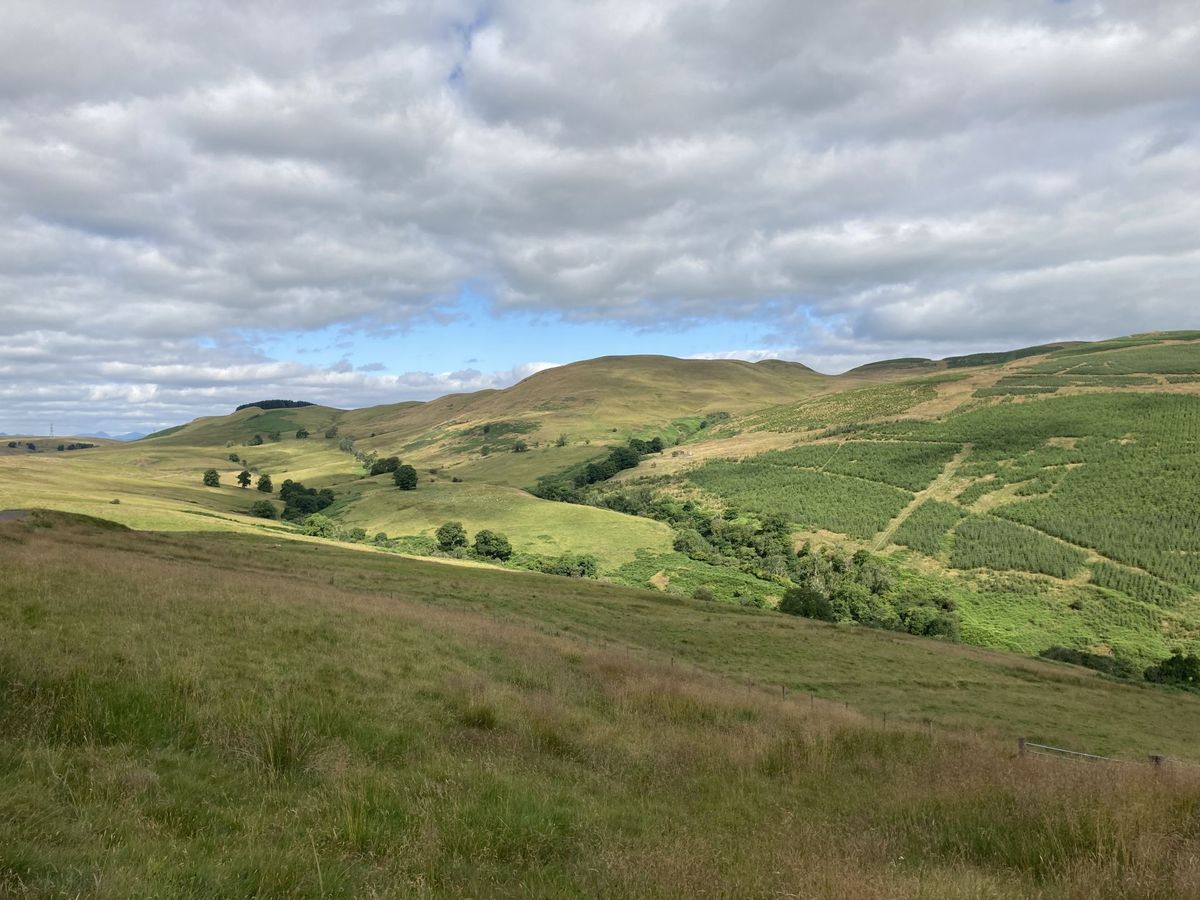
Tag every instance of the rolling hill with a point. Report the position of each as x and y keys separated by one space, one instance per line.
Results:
x=219 y=704
x=1040 y=495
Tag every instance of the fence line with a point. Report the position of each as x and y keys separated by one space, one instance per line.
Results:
x=1028 y=748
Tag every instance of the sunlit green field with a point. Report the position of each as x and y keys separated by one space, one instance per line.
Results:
x=533 y=525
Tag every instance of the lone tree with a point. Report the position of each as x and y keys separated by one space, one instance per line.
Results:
x=301 y=434
x=405 y=478
x=264 y=484
x=331 y=431
x=211 y=478
x=244 y=478
x=492 y=545
x=519 y=446
x=451 y=536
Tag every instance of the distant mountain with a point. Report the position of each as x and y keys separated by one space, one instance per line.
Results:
x=127 y=436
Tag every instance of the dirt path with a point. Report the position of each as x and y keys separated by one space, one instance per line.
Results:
x=939 y=488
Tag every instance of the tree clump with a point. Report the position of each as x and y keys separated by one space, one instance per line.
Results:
x=451 y=536
x=300 y=502
x=384 y=466
x=492 y=545
x=1177 y=669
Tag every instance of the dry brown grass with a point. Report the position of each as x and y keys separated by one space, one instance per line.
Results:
x=220 y=721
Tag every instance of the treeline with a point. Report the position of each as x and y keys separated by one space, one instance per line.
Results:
x=836 y=588
x=275 y=404
x=824 y=585
x=32 y=447
x=1177 y=670
x=570 y=485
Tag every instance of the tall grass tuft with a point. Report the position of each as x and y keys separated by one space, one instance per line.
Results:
x=274 y=742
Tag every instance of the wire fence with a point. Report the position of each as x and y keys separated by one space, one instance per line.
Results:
x=1029 y=748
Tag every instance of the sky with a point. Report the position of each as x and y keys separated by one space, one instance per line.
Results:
x=209 y=203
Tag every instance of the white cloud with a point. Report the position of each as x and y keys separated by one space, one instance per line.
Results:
x=897 y=175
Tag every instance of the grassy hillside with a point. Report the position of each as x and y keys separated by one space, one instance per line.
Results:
x=1067 y=470
x=1044 y=493
x=221 y=715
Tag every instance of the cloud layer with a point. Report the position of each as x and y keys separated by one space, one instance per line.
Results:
x=858 y=178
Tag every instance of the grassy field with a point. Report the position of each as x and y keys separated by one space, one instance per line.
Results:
x=221 y=715
x=532 y=525
x=1086 y=485
x=158 y=485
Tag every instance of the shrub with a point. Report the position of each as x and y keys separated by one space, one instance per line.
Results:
x=331 y=432
x=318 y=525
x=704 y=592
x=301 y=434
x=212 y=478
x=233 y=457
x=264 y=509
x=493 y=545
x=519 y=446
x=264 y=484
x=1109 y=665
x=571 y=565
x=450 y=536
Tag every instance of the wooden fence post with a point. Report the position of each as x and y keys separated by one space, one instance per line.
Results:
x=1021 y=746
x=1157 y=760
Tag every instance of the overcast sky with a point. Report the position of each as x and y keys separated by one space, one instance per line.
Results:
x=207 y=203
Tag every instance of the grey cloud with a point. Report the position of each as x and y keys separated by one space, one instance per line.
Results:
x=859 y=177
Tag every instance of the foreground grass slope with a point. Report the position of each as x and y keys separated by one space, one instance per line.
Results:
x=219 y=715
